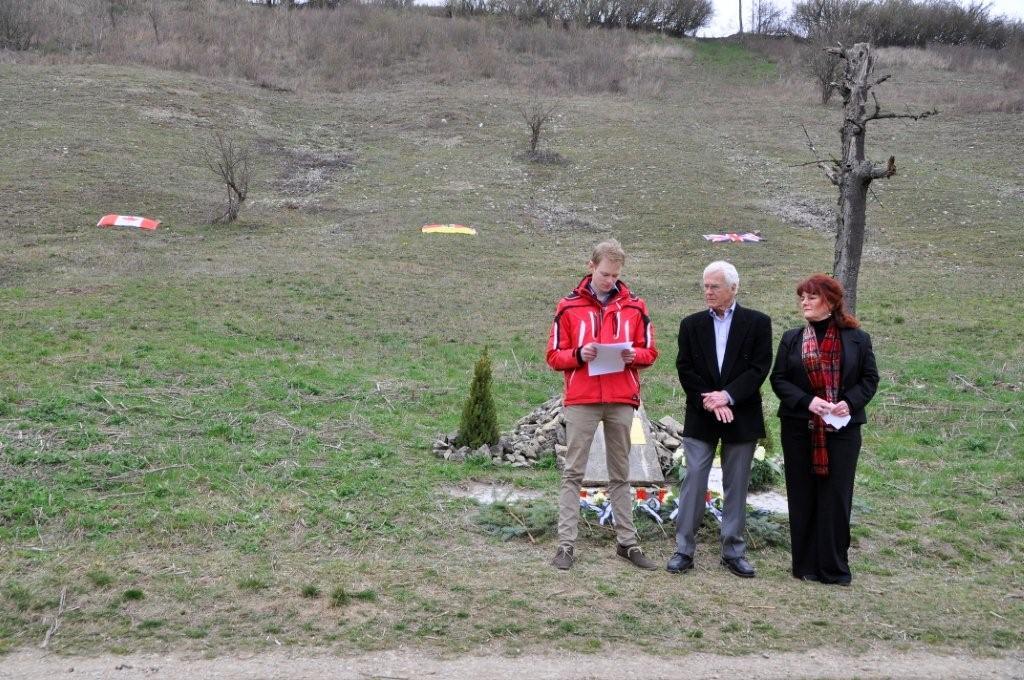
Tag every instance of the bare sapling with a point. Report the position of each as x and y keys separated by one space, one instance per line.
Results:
x=154 y=12
x=234 y=164
x=536 y=114
x=823 y=68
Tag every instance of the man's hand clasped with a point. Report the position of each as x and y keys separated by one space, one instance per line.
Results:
x=718 y=403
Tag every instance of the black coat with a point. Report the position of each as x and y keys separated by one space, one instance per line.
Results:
x=858 y=370
x=748 y=358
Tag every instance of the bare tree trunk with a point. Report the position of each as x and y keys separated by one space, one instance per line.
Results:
x=851 y=223
x=741 y=17
x=854 y=172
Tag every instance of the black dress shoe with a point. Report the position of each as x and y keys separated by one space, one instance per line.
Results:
x=679 y=563
x=739 y=566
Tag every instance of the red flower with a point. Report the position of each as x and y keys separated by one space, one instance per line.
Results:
x=641 y=494
x=583 y=493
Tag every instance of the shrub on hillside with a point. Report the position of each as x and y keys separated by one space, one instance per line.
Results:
x=823 y=68
x=341 y=49
x=17 y=27
x=675 y=17
x=903 y=23
x=233 y=163
x=537 y=115
x=767 y=18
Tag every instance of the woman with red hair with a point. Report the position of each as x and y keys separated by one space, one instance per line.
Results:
x=824 y=375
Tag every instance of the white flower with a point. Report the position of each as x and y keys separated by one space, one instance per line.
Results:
x=759 y=453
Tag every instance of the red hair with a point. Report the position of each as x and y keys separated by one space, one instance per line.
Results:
x=831 y=291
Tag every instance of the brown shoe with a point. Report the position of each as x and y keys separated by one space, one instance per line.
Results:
x=564 y=557
x=635 y=556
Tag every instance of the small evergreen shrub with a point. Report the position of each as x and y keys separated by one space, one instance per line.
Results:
x=479 y=424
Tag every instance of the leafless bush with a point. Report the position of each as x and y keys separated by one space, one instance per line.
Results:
x=767 y=18
x=233 y=163
x=675 y=17
x=536 y=114
x=155 y=13
x=905 y=23
x=340 y=49
x=17 y=27
x=823 y=68
x=115 y=9
x=681 y=17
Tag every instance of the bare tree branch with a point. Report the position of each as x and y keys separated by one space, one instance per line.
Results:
x=884 y=171
x=830 y=173
x=875 y=196
x=911 y=116
x=55 y=626
x=814 y=162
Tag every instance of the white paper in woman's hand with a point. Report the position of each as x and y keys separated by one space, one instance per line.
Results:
x=838 y=422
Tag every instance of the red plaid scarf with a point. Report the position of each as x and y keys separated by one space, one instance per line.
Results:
x=823 y=367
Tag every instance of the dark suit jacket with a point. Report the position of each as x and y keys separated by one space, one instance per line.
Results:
x=748 y=358
x=859 y=375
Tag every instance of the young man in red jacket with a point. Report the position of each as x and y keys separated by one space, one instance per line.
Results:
x=600 y=310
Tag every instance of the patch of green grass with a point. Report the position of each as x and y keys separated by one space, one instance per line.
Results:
x=365 y=595
x=734 y=59
x=253 y=584
x=19 y=596
x=340 y=597
x=133 y=595
x=99 y=578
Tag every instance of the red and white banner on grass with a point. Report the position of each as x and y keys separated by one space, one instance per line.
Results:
x=733 y=237
x=128 y=221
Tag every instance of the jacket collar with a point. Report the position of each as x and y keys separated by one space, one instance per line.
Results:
x=621 y=292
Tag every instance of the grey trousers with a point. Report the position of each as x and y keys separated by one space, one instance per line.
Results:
x=736 y=461
x=580 y=425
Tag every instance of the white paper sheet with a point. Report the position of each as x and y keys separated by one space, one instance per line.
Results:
x=608 y=359
x=838 y=422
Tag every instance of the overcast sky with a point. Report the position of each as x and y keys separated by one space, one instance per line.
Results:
x=725 y=21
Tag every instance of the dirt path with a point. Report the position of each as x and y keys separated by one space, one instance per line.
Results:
x=402 y=664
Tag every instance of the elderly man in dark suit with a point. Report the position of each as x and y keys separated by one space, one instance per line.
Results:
x=725 y=353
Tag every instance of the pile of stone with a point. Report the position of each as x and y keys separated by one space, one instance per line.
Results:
x=668 y=438
x=541 y=433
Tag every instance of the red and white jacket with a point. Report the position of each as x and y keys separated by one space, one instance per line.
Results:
x=580 y=319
